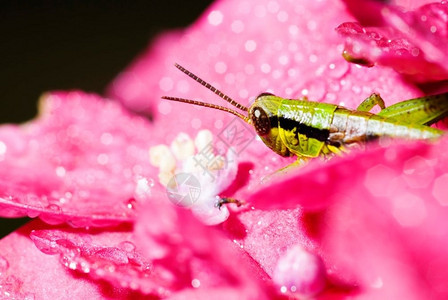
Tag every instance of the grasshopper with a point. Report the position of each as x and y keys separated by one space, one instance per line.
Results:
x=307 y=129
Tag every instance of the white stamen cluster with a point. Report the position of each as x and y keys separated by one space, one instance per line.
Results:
x=197 y=157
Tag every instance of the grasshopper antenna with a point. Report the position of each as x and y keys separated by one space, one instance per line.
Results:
x=211 y=88
x=199 y=103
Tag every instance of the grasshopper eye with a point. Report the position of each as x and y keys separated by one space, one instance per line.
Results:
x=260 y=120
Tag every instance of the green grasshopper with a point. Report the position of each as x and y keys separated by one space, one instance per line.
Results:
x=307 y=129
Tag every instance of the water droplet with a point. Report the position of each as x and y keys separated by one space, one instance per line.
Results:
x=106 y=138
x=300 y=271
x=102 y=159
x=283 y=60
x=127 y=246
x=293 y=30
x=54 y=207
x=215 y=17
x=313 y=58
x=131 y=203
x=250 y=45
x=220 y=67
x=237 y=26
x=265 y=68
x=195 y=283
x=3 y=148
x=433 y=29
x=60 y=171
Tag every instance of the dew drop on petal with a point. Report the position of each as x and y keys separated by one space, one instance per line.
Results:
x=250 y=45
x=143 y=188
x=3 y=148
x=265 y=68
x=127 y=246
x=283 y=59
x=220 y=67
x=312 y=58
x=440 y=189
x=102 y=159
x=293 y=30
x=237 y=26
x=60 y=171
x=300 y=271
x=195 y=283
x=131 y=203
x=54 y=207
x=106 y=138
x=215 y=17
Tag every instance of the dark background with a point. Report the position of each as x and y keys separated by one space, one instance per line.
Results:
x=47 y=45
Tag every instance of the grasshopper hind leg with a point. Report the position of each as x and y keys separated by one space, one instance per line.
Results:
x=370 y=102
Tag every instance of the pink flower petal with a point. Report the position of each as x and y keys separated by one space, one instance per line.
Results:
x=196 y=256
x=63 y=166
x=109 y=256
x=412 y=42
x=27 y=273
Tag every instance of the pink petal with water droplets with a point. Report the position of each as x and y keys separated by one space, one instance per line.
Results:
x=106 y=256
x=414 y=43
x=195 y=256
x=27 y=273
x=64 y=166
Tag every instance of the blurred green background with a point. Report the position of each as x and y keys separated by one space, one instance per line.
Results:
x=47 y=45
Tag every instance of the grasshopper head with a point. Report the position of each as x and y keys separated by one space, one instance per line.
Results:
x=263 y=116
